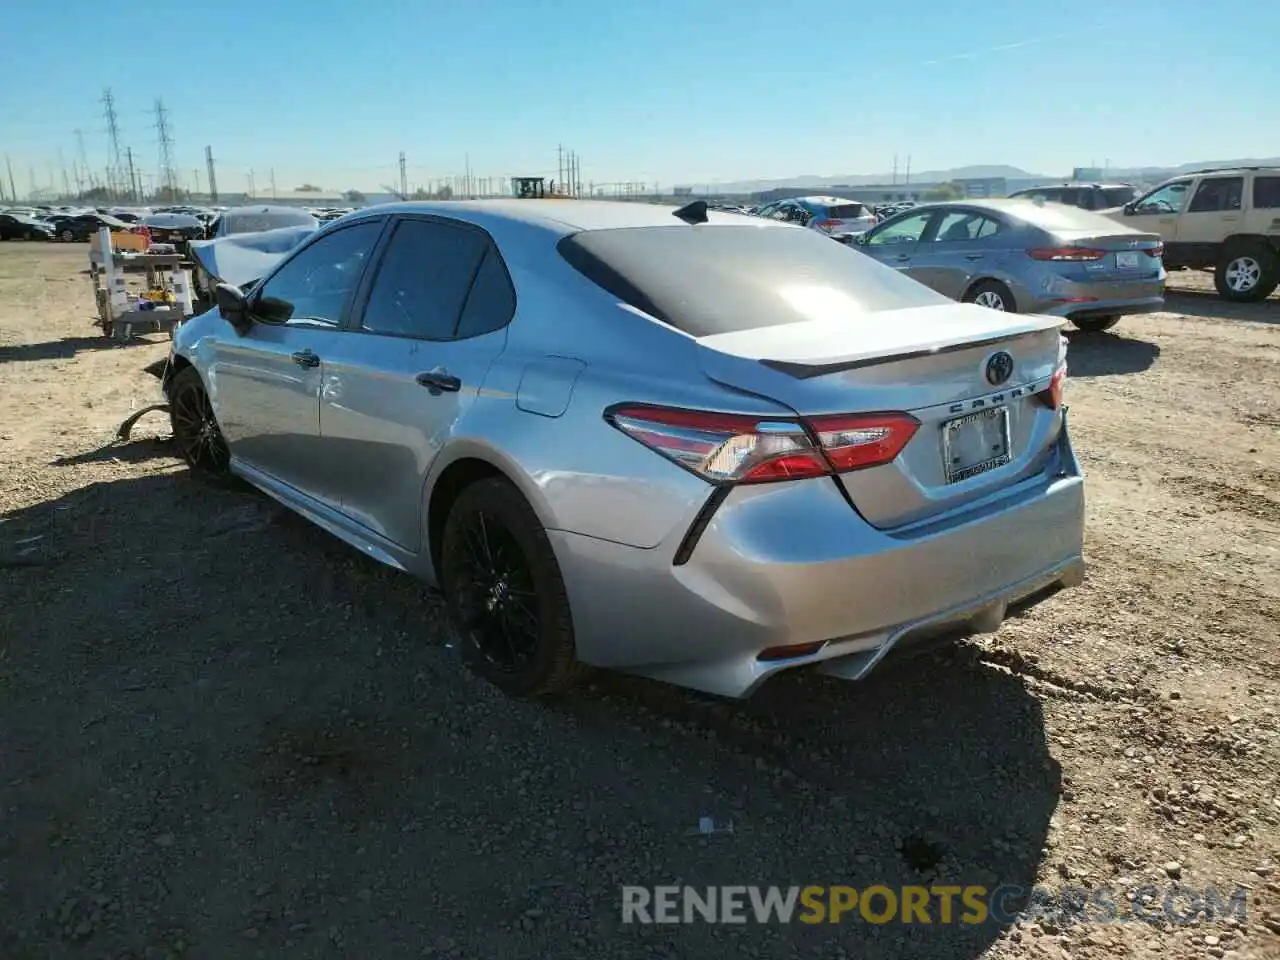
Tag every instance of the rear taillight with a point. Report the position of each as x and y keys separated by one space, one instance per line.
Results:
x=829 y=225
x=1066 y=254
x=736 y=448
x=1156 y=251
x=1051 y=396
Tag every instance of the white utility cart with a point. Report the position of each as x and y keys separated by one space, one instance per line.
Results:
x=122 y=313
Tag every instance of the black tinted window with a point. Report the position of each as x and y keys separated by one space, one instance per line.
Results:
x=316 y=286
x=1118 y=196
x=423 y=280
x=1266 y=193
x=845 y=211
x=725 y=279
x=1217 y=193
x=492 y=301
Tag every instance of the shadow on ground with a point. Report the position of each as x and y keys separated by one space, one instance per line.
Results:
x=218 y=717
x=65 y=348
x=1108 y=354
x=1198 y=303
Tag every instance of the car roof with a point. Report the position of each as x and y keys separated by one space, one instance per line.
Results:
x=559 y=216
x=1104 y=184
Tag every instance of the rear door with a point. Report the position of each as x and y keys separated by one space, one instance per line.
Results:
x=961 y=246
x=1214 y=213
x=894 y=242
x=433 y=320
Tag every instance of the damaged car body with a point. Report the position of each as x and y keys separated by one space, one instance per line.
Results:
x=697 y=447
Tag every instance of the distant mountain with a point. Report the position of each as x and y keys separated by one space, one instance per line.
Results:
x=863 y=179
x=977 y=171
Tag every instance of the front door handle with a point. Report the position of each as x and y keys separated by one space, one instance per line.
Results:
x=903 y=257
x=439 y=381
x=973 y=256
x=305 y=358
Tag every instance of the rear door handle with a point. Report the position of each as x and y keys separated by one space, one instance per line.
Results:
x=439 y=381
x=903 y=257
x=305 y=358
x=973 y=256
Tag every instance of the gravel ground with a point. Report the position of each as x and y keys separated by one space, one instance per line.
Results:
x=225 y=734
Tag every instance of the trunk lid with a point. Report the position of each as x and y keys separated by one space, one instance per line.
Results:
x=1128 y=255
x=928 y=361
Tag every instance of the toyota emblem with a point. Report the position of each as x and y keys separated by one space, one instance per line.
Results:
x=999 y=367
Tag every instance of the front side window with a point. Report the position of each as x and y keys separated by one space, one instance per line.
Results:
x=316 y=286
x=1166 y=199
x=423 y=280
x=907 y=230
x=1217 y=194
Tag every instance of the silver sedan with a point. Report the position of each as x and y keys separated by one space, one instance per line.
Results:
x=1026 y=256
x=694 y=446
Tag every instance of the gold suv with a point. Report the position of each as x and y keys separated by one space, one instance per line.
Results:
x=1225 y=220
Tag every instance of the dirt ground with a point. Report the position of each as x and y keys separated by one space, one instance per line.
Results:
x=225 y=734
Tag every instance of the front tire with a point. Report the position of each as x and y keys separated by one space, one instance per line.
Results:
x=67 y=236
x=195 y=428
x=504 y=593
x=1247 y=274
x=993 y=295
x=1094 y=324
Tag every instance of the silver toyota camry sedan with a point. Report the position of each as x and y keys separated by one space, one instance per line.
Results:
x=694 y=446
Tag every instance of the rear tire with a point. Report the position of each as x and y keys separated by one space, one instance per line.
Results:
x=504 y=593
x=67 y=236
x=993 y=295
x=1094 y=324
x=1247 y=274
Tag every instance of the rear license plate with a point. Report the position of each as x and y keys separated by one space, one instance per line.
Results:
x=975 y=443
x=1128 y=260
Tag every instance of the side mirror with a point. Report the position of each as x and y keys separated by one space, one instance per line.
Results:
x=1130 y=207
x=234 y=307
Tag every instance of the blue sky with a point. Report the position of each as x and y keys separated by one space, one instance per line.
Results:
x=329 y=91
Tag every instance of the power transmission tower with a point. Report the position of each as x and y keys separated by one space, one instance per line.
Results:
x=560 y=165
x=82 y=167
x=113 y=135
x=13 y=187
x=273 y=183
x=404 y=180
x=166 y=149
x=66 y=183
x=133 y=177
x=213 y=180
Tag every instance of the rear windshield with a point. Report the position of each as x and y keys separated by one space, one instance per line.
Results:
x=720 y=279
x=1062 y=217
x=265 y=220
x=845 y=211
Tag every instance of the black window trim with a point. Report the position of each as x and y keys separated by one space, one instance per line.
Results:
x=315 y=238
x=360 y=302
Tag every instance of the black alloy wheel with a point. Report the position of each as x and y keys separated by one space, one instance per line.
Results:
x=195 y=428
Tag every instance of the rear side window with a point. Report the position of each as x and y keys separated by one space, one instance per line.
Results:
x=1047 y=194
x=846 y=211
x=423 y=280
x=1266 y=193
x=711 y=280
x=492 y=302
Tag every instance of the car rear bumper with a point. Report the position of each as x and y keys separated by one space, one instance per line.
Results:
x=1098 y=298
x=793 y=564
